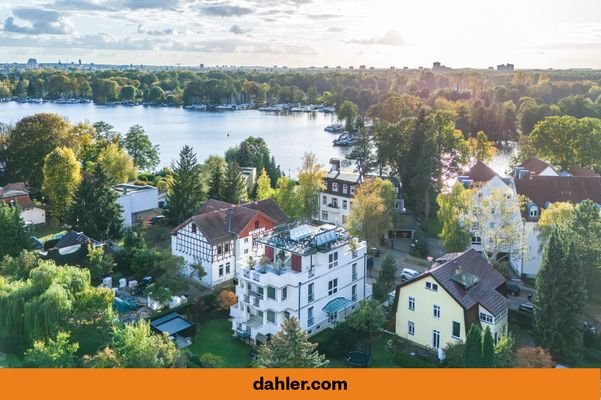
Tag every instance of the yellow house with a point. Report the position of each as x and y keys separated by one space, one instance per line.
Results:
x=438 y=306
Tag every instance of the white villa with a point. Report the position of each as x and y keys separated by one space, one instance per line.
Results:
x=314 y=273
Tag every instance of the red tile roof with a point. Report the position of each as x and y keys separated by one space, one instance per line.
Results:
x=535 y=165
x=552 y=189
x=480 y=172
x=581 y=171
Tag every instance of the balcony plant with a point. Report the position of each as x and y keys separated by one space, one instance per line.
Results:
x=251 y=263
x=353 y=245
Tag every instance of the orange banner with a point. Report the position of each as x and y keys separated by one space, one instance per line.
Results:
x=290 y=384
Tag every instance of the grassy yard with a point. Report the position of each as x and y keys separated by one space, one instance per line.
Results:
x=379 y=357
x=46 y=232
x=215 y=337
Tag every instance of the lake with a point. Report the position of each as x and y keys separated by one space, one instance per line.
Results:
x=288 y=136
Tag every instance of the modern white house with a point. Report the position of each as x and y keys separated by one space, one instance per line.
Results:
x=437 y=307
x=16 y=194
x=220 y=234
x=316 y=274
x=135 y=201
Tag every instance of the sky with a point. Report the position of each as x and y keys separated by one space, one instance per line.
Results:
x=303 y=33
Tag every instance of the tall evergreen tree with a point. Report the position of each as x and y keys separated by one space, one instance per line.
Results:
x=140 y=148
x=216 y=182
x=185 y=193
x=95 y=210
x=290 y=348
x=559 y=299
x=13 y=237
x=473 y=348
x=234 y=186
x=488 y=350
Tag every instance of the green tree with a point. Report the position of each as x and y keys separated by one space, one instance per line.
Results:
x=310 y=183
x=234 y=186
x=372 y=213
x=481 y=148
x=185 y=194
x=135 y=346
x=348 y=112
x=31 y=140
x=13 y=236
x=488 y=350
x=52 y=353
x=95 y=210
x=451 y=207
x=19 y=268
x=473 y=348
x=367 y=320
x=558 y=319
x=99 y=263
x=557 y=214
x=156 y=95
x=290 y=348
x=144 y=155
x=264 y=189
x=62 y=176
x=286 y=198
x=504 y=351
x=216 y=182
x=128 y=93
x=117 y=163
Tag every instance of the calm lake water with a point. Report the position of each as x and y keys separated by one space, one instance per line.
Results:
x=289 y=136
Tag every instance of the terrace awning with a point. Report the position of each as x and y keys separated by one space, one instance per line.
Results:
x=337 y=304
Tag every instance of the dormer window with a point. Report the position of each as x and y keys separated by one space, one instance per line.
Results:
x=193 y=228
x=345 y=188
x=334 y=187
x=533 y=212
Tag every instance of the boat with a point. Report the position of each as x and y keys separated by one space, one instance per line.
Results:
x=346 y=139
x=328 y=110
x=334 y=128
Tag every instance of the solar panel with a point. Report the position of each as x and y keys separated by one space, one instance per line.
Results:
x=300 y=233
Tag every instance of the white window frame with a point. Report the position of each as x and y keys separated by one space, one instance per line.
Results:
x=334 y=186
x=411 y=328
x=432 y=286
x=332 y=260
x=453 y=328
x=411 y=304
x=344 y=188
x=436 y=311
x=487 y=318
x=333 y=286
x=310 y=292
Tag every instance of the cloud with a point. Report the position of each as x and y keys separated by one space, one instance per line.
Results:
x=160 y=4
x=226 y=10
x=38 y=21
x=322 y=16
x=99 y=41
x=158 y=32
x=81 y=5
x=335 y=29
x=390 y=38
x=237 y=30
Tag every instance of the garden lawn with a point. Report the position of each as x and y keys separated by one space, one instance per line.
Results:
x=379 y=356
x=215 y=337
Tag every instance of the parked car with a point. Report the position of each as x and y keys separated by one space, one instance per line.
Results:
x=157 y=219
x=527 y=308
x=146 y=281
x=408 y=273
x=589 y=327
x=513 y=288
x=374 y=251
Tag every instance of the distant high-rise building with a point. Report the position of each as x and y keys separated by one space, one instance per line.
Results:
x=32 y=63
x=361 y=66
x=436 y=65
x=505 y=67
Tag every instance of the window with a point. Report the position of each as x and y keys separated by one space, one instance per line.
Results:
x=286 y=315
x=246 y=240
x=245 y=251
x=411 y=328
x=412 y=303
x=334 y=187
x=534 y=212
x=432 y=286
x=271 y=316
x=219 y=250
x=492 y=225
x=256 y=224
x=270 y=292
x=227 y=268
x=221 y=270
x=352 y=190
x=486 y=318
x=324 y=215
x=284 y=293
x=332 y=286
x=456 y=332
x=435 y=339
x=344 y=204
x=310 y=316
x=436 y=311
x=476 y=240
x=260 y=292
x=345 y=188
x=334 y=202
x=260 y=314
x=332 y=317
x=333 y=259
x=227 y=248
x=354 y=293
x=324 y=200
x=354 y=267
x=310 y=293
x=193 y=228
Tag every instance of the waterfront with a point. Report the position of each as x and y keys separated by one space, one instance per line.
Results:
x=287 y=135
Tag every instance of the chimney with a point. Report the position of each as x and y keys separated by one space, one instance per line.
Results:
x=458 y=270
x=228 y=219
x=335 y=164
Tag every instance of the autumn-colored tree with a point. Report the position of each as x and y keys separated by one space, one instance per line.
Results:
x=451 y=207
x=533 y=357
x=372 y=213
x=310 y=183
x=226 y=299
x=61 y=179
x=481 y=148
x=264 y=189
x=117 y=163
